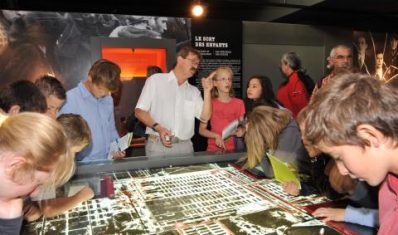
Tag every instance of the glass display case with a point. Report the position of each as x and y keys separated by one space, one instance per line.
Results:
x=200 y=194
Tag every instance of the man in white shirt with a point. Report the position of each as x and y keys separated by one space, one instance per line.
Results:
x=168 y=106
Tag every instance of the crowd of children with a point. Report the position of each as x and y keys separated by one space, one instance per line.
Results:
x=343 y=144
x=349 y=130
x=38 y=145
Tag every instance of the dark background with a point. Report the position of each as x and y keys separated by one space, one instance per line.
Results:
x=380 y=15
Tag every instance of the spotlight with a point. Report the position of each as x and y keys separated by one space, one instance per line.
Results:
x=197 y=10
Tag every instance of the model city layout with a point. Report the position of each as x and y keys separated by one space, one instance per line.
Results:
x=205 y=199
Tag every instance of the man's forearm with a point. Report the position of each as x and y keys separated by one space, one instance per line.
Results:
x=144 y=117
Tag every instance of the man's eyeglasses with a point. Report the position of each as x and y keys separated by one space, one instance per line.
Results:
x=341 y=57
x=193 y=61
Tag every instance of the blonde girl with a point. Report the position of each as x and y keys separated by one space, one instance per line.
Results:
x=33 y=154
x=271 y=130
x=225 y=109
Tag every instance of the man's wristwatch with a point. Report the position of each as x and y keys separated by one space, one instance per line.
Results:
x=154 y=126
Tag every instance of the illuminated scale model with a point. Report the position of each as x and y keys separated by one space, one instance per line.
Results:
x=200 y=199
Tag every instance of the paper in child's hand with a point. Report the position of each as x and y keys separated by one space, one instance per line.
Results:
x=230 y=129
x=283 y=171
x=120 y=144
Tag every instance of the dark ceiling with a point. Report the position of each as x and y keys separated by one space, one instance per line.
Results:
x=380 y=15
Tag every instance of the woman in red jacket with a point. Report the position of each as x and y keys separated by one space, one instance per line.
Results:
x=295 y=92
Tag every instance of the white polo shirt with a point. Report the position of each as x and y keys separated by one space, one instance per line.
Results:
x=173 y=107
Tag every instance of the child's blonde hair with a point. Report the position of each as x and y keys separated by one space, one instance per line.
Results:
x=264 y=126
x=41 y=141
x=214 y=91
x=76 y=129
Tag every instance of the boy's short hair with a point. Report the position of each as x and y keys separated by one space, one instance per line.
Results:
x=184 y=52
x=106 y=73
x=347 y=102
x=24 y=94
x=49 y=85
x=76 y=129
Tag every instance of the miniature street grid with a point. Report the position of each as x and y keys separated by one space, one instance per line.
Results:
x=204 y=199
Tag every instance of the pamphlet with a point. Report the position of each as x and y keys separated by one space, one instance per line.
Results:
x=283 y=172
x=120 y=144
x=230 y=129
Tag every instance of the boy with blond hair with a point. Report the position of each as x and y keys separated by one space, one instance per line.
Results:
x=355 y=120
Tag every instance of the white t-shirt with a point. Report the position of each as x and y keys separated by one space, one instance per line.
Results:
x=172 y=106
